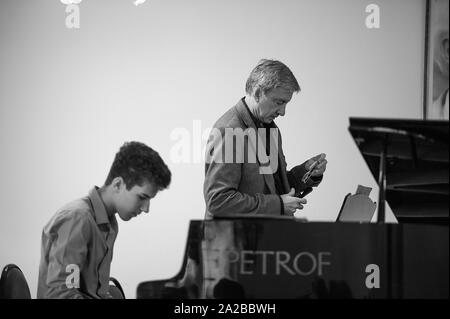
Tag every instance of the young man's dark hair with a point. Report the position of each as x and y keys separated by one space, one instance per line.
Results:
x=135 y=162
x=77 y=243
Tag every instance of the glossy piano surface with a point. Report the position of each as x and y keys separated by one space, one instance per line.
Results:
x=416 y=185
x=247 y=258
x=285 y=258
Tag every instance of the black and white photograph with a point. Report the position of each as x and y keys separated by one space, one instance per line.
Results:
x=437 y=63
x=255 y=151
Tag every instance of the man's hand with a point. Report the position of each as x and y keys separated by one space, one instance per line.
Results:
x=291 y=203
x=320 y=167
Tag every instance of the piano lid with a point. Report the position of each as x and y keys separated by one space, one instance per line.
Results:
x=416 y=164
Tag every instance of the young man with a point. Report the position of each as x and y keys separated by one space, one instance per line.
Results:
x=77 y=243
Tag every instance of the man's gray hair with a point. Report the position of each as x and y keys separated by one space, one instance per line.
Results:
x=270 y=74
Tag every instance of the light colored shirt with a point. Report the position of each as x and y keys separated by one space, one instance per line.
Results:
x=80 y=236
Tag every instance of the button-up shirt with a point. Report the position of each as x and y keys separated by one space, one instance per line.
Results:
x=276 y=175
x=313 y=180
x=77 y=249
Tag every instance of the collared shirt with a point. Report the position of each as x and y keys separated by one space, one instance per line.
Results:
x=276 y=175
x=77 y=249
x=259 y=124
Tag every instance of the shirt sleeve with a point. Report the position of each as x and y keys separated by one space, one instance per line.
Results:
x=66 y=257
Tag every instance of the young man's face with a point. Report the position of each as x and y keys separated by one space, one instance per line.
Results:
x=272 y=104
x=130 y=203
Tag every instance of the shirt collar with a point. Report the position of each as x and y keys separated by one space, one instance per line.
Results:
x=101 y=216
x=257 y=122
x=254 y=119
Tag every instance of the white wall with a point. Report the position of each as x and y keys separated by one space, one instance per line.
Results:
x=70 y=98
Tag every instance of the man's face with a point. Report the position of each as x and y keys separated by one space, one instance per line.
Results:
x=272 y=104
x=131 y=203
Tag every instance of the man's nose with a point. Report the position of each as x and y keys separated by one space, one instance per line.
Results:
x=146 y=206
x=282 y=110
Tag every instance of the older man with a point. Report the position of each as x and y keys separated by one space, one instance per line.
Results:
x=245 y=165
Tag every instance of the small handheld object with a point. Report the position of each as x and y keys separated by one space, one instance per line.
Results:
x=304 y=193
x=309 y=172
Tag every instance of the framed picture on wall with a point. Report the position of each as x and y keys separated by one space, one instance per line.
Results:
x=436 y=60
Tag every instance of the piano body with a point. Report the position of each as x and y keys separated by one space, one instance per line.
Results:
x=280 y=257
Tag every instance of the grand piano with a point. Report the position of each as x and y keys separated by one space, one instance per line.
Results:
x=241 y=257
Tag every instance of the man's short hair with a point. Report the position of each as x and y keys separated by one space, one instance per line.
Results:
x=270 y=74
x=135 y=162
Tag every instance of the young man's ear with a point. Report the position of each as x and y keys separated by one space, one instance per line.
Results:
x=117 y=183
